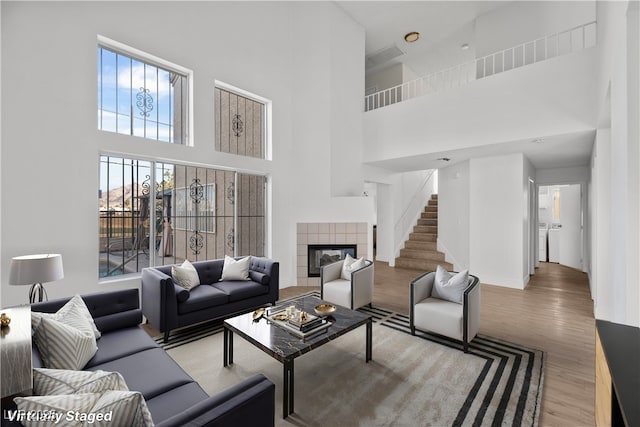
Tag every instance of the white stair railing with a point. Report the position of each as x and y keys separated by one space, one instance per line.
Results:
x=557 y=44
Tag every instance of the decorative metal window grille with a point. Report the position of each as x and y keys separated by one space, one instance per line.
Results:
x=139 y=98
x=154 y=213
x=195 y=209
x=240 y=124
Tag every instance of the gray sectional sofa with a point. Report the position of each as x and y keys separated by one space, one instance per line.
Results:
x=167 y=306
x=173 y=397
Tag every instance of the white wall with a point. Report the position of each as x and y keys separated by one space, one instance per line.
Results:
x=523 y=21
x=384 y=79
x=346 y=66
x=496 y=237
x=529 y=222
x=454 y=213
x=602 y=285
x=50 y=145
x=615 y=186
x=551 y=97
x=570 y=175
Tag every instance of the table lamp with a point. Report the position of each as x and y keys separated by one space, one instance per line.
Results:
x=35 y=270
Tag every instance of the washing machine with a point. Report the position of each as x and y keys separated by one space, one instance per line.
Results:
x=542 y=241
x=554 y=243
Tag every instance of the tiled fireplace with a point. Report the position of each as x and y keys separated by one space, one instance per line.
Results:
x=330 y=237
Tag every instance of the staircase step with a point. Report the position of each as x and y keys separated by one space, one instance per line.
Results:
x=429 y=221
x=429 y=215
x=420 y=264
x=433 y=203
x=418 y=254
x=425 y=229
x=423 y=237
x=434 y=196
x=421 y=246
x=431 y=209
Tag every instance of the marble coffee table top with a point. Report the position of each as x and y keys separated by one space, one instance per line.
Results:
x=283 y=345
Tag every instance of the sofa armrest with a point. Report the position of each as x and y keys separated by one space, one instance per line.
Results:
x=159 y=299
x=271 y=268
x=249 y=403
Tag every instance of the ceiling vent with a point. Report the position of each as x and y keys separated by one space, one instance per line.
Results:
x=383 y=56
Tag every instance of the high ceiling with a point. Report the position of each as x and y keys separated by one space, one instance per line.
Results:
x=444 y=26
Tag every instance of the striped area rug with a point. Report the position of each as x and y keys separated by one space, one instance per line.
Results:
x=503 y=381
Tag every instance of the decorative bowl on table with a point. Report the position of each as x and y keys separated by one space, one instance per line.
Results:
x=324 y=309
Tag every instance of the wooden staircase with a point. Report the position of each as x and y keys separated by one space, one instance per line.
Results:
x=420 y=251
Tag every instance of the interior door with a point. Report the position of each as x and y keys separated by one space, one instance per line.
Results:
x=571 y=231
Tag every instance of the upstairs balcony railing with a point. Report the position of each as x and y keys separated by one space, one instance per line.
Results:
x=558 y=44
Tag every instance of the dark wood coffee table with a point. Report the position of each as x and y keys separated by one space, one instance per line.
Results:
x=284 y=346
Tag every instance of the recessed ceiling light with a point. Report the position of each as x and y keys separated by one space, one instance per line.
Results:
x=444 y=159
x=465 y=46
x=538 y=141
x=411 y=37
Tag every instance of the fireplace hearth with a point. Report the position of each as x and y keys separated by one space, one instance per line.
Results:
x=319 y=255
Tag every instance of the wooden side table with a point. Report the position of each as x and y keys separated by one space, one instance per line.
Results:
x=15 y=352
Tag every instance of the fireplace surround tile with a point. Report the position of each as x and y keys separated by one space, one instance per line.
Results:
x=327 y=233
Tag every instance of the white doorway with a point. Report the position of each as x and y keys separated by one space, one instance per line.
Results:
x=560 y=208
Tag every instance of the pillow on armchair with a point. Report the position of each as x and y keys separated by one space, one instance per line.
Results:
x=450 y=286
x=350 y=265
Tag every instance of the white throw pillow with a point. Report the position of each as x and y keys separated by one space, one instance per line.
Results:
x=63 y=381
x=350 y=265
x=235 y=270
x=74 y=313
x=185 y=275
x=63 y=346
x=448 y=286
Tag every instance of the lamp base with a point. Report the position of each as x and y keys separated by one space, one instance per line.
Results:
x=37 y=293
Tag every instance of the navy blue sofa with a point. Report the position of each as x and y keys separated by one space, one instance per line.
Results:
x=167 y=306
x=173 y=397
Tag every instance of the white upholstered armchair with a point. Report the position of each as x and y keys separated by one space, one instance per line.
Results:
x=353 y=293
x=459 y=320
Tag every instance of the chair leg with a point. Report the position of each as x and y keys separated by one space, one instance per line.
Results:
x=370 y=305
x=413 y=330
x=166 y=337
x=465 y=346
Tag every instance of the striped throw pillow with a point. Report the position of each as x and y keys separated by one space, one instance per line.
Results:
x=45 y=410
x=128 y=408
x=110 y=409
x=64 y=347
x=74 y=313
x=62 y=381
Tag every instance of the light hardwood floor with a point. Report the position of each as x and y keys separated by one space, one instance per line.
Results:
x=554 y=314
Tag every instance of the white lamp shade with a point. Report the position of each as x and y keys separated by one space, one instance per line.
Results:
x=30 y=269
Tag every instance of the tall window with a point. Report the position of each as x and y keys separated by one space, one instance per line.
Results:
x=154 y=213
x=141 y=98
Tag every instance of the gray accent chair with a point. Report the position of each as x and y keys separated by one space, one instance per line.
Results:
x=458 y=321
x=354 y=293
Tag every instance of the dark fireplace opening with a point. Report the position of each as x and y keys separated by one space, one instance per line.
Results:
x=319 y=255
